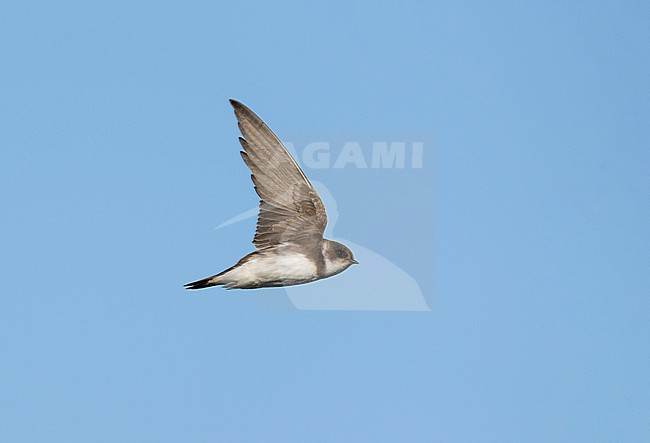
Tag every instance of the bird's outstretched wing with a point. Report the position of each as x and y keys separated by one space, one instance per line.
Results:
x=290 y=209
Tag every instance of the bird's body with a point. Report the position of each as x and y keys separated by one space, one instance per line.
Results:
x=289 y=239
x=282 y=265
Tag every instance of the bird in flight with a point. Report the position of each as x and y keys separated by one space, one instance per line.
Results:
x=289 y=243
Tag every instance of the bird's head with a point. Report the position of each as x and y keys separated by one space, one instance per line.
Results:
x=337 y=257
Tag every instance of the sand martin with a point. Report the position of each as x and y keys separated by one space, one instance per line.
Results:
x=289 y=243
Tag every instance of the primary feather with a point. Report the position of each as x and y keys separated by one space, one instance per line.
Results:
x=290 y=208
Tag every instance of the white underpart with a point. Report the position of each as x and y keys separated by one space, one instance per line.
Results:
x=333 y=267
x=289 y=268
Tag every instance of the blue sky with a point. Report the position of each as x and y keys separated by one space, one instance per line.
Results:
x=526 y=230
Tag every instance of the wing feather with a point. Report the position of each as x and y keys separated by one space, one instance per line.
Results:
x=290 y=209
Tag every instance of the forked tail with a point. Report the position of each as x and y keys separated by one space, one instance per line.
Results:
x=223 y=278
x=204 y=283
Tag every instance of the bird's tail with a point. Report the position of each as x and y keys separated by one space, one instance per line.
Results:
x=223 y=278
x=204 y=283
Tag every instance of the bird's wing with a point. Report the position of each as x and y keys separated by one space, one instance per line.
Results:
x=290 y=209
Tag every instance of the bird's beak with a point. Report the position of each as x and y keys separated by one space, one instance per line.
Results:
x=354 y=262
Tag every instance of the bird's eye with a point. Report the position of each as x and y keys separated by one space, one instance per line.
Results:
x=340 y=252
